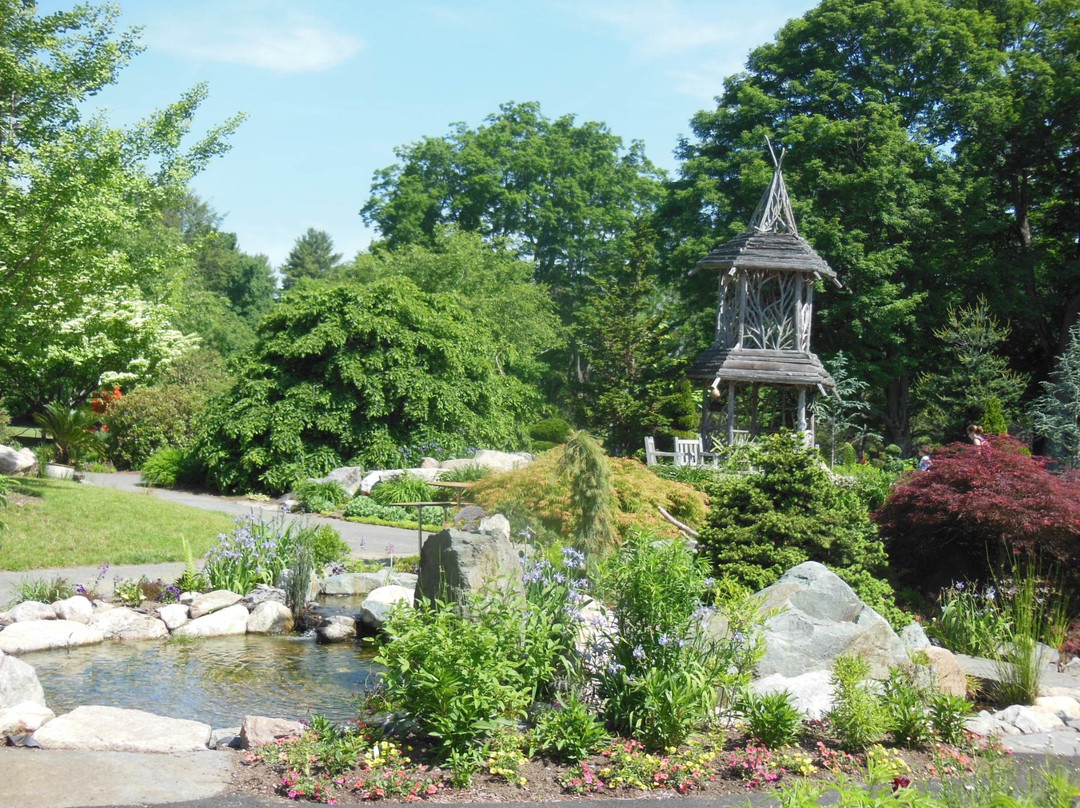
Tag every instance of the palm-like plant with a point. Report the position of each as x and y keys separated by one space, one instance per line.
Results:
x=72 y=432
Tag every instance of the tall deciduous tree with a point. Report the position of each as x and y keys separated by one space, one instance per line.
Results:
x=865 y=94
x=562 y=194
x=80 y=296
x=312 y=256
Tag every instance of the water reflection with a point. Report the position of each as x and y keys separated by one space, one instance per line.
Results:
x=217 y=681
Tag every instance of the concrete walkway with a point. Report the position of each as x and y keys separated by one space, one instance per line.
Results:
x=365 y=541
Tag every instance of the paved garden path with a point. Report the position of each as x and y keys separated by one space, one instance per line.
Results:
x=365 y=541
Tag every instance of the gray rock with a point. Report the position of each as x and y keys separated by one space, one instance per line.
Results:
x=495 y=525
x=348 y=477
x=230 y=620
x=820 y=618
x=355 y=583
x=336 y=628
x=270 y=617
x=489 y=458
x=24 y=718
x=811 y=693
x=373 y=478
x=258 y=730
x=16 y=462
x=1065 y=744
x=913 y=637
x=111 y=729
x=173 y=615
x=227 y=738
x=123 y=623
x=1029 y=720
x=31 y=610
x=261 y=594
x=453 y=563
x=77 y=608
x=406 y=579
x=429 y=463
x=468 y=518
x=1064 y=707
x=18 y=683
x=377 y=606
x=41 y=635
x=983 y=724
x=212 y=602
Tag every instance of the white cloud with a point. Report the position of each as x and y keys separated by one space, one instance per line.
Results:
x=659 y=29
x=293 y=45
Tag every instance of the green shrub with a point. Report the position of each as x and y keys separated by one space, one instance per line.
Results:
x=355 y=372
x=907 y=698
x=857 y=718
x=586 y=466
x=325 y=544
x=167 y=467
x=847 y=455
x=870 y=484
x=660 y=672
x=149 y=419
x=405 y=487
x=970 y=621
x=773 y=719
x=455 y=673
x=567 y=732
x=317 y=496
x=5 y=422
x=790 y=511
x=948 y=714
x=553 y=431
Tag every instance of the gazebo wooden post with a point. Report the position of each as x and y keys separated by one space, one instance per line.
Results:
x=754 y=425
x=731 y=413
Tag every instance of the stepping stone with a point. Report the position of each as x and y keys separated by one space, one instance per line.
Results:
x=112 y=729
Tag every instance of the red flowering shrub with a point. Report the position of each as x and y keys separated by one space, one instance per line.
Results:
x=954 y=521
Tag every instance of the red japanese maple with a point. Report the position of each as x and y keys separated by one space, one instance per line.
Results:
x=975 y=504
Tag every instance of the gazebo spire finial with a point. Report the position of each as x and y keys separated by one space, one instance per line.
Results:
x=773 y=213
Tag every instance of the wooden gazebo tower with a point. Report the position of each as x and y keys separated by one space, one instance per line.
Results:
x=760 y=370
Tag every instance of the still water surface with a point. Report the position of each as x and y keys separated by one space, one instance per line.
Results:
x=217 y=681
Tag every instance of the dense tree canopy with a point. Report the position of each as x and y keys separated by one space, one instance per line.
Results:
x=354 y=373
x=82 y=295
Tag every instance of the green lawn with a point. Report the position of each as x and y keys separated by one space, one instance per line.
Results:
x=55 y=523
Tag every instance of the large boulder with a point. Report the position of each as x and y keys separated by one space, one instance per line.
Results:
x=454 y=563
x=817 y=617
x=949 y=677
x=173 y=615
x=258 y=730
x=77 y=608
x=18 y=683
x=112 y=729
x=31 y=610
x=348 y=477
x=211 y=602
x=336 y=628
x=123 y=623
x=230 y=620
x=270 y=617
x=491 y=459
x=377 y=606
x=42 y=635
x=16 y=462
x=811 y=693
x=355 y=583
x=24 y=718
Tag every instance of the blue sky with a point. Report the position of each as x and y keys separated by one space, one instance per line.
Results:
x=330 y=87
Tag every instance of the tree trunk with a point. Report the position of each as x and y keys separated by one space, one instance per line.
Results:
x=897 y=399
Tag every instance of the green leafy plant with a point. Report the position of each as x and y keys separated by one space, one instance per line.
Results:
x=317 y=496
x=129 y=591
x=857 y=718
x=970 y=620
x=190 y=580
x=947 y=716
x=773 y=719
x=256 y=552
x=165 y=468
x=567 y=732
x=71 y=431
x=325 y=544
x=660 y=671
x=467 y=473
x=405 y=487
x=906 y=700
x=42 y=590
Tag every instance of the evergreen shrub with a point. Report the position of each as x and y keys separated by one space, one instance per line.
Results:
x=787 y=511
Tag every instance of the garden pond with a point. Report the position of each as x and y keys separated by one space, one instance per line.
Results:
x=216 y=680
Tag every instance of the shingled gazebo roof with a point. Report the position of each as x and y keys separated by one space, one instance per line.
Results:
x=771 y=240
x=797 y=368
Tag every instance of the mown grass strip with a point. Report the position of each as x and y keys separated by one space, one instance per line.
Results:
x=56 y=523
